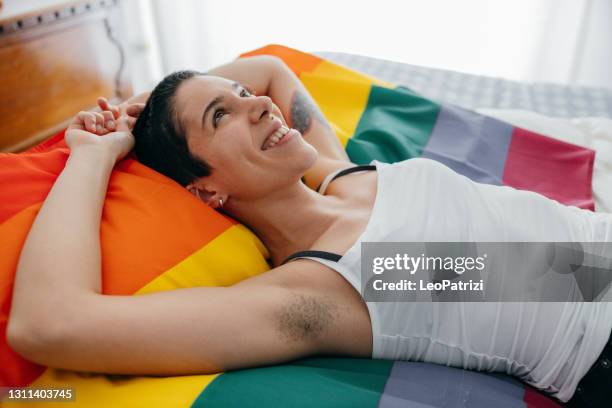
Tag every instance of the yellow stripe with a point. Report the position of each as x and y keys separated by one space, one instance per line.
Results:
x=235 y=255
x=95 y=391
x=329 y=69
x=342 y=102
x=342 y=95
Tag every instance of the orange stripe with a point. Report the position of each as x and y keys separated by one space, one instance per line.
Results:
x=296 y=60
x=148 y=227
x=15 y=370
x=26 y=179
x=54 y=141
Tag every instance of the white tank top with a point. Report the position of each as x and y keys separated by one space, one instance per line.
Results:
x=548 y=345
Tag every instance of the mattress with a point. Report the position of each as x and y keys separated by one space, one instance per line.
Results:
x=476 y=91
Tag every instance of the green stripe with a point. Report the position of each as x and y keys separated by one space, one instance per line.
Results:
x=395 y=126
x=312 y=382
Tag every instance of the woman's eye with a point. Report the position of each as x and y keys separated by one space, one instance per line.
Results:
x=217 y=116
x=245 y=93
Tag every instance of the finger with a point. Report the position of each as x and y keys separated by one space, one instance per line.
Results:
x=99 y=122
x=116 y=111
x=135 y=109
x=123 y=124
x=99 y=118
x=131 y=121
x=103 y=103
x=77 y=122
x=109 y=120
x=89 y=120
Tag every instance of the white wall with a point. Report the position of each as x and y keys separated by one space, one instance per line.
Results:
x=565 y=41
x=594 y=60
x=141 y=44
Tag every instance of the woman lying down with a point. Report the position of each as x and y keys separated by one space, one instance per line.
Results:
x=225 y=137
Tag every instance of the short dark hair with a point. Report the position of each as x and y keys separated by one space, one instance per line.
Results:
x=161 y=141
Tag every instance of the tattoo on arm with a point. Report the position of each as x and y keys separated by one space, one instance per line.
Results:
x=302 y=112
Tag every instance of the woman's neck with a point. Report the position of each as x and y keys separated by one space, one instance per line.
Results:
x=289 y=220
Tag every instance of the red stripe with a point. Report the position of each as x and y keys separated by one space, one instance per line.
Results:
x=558 y=170
x=534 y=399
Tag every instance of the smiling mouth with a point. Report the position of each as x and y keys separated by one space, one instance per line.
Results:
x=274 y=138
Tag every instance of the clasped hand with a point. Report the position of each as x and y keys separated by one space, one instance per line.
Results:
x=109 y=130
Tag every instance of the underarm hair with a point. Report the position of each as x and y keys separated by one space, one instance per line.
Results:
x=305 y=317
x=302 y=112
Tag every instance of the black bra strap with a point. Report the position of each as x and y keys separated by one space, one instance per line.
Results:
x=330 y=256
x=350 y=170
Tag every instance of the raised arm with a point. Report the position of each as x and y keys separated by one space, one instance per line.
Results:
x=268 y=75
x=59 y=318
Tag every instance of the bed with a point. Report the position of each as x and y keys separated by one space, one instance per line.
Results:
x=31 y=49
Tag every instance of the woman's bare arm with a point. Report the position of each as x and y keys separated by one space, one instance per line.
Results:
x=59 y=318
x=185 y=331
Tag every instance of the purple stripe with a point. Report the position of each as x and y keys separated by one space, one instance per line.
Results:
x=417 y=385
x=470 y=143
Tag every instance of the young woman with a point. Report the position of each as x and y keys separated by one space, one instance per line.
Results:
x=225 y=137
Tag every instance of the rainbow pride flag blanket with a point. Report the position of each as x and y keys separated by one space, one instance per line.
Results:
x=156 y=236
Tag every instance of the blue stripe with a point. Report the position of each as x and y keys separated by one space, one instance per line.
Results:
x=473 y=145
x=420 y=385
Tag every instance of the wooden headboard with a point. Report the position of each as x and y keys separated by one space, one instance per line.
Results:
x=56 y=58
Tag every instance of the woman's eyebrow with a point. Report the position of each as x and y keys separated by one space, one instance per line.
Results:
x=211 y=105
x=217 y=100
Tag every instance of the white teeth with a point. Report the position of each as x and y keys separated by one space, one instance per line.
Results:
x=275 y=137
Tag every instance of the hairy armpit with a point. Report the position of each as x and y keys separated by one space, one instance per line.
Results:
x=306 y=317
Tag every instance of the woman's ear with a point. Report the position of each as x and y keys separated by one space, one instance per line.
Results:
x=194 y=190
x=211 y=198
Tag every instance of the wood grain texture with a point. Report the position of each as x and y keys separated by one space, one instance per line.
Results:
x=51 y=71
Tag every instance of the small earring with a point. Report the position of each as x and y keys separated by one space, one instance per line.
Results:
x=221 y=203
x=196 y=192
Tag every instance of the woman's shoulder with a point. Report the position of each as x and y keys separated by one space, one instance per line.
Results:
x=322 y=168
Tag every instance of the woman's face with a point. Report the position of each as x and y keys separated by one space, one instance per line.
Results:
x=231 y=129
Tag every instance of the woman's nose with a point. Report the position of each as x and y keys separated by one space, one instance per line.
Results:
x=261 y=107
